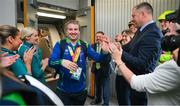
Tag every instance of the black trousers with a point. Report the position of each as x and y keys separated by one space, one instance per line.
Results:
x=102 y=86
x=128 y=96
x=122 y=91
x=72 y=98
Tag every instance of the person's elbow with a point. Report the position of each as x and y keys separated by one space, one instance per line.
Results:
x=137 y=83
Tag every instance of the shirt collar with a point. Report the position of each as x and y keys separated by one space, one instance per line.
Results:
x=68 y=41
x=150 y=22
x=7 y=50
x=27 y=44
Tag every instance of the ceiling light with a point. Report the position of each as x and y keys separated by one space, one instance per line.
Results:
x=51 y=15
x=49 y=9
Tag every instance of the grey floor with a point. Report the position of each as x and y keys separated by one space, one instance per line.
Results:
x=112 y=101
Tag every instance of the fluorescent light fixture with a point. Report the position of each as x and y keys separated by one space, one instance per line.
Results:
x=49 y=9
x=51 y=15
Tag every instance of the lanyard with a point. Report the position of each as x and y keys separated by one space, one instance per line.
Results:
x=98 y=48
x=75 y=55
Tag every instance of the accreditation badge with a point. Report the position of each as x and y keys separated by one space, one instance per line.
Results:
x=76 y=75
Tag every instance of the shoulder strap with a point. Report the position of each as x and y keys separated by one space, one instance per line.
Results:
x=84 y=46
x=63 y=43
x=62 y=47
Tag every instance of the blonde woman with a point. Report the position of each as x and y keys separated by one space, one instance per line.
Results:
x=31 y=40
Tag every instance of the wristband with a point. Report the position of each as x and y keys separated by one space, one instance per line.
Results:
x=120 y=64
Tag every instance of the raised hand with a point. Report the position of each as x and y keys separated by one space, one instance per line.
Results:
x=118 y=45
x=105 y=38
x=28 y=54
x=7 y=61
x=118 y=38
x=115 y=52
x=105 y=47
x=27 y=57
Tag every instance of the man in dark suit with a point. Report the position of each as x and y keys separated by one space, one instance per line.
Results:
x=142 y=52
x=102 y=74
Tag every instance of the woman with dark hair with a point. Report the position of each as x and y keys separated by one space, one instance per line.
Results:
x=127 y=35
x=10 y=40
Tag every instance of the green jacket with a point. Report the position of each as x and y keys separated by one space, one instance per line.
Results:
x=36 y=70
x=166 y=56
x=18 y=68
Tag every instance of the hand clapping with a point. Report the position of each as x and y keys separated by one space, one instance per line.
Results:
x=28 y=55
x=113 y=48
x=6 y=61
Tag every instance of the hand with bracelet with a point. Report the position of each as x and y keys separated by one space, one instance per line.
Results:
x=116 y=53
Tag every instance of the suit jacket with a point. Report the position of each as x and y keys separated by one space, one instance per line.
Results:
x=143 y=51
x=104 y=65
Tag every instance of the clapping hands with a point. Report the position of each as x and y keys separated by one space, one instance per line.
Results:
x=28 y=55
x=6 y=61
x=113 y=48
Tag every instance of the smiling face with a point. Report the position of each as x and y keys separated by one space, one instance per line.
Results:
x=98 y=37
x=72 y=31
x=126 y=38
x=34 y=38
x=164 y=24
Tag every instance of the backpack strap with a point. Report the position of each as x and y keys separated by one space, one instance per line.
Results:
x=62 y=44
x=84 y=46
